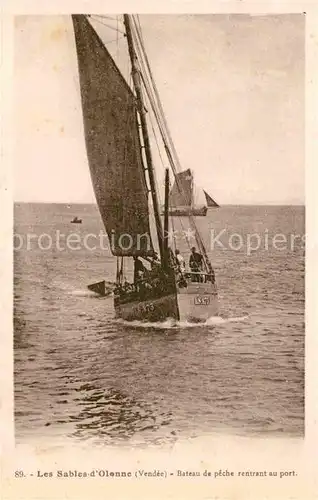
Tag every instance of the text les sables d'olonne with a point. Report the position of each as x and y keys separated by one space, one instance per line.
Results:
x=155 y=473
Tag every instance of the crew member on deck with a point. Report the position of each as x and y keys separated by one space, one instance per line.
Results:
x=180 y=262
x=139 y=270
x=211 y=275
x=181 y=269
x=196 y=264
x=155 y=263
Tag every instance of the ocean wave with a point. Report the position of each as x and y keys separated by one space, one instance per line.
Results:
x=83 y=293
x=171 y=323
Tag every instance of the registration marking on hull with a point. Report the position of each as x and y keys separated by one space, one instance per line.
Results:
x=201 y=300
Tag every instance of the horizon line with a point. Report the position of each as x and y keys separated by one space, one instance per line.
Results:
x=268 y=204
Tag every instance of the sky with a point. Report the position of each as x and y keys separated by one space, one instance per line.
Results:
x=232 y=87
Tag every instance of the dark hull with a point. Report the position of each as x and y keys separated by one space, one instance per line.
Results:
x=197 y=302
x=147 y=309
x=186 y=212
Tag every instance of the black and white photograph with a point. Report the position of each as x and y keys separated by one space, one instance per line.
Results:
x=159 y=234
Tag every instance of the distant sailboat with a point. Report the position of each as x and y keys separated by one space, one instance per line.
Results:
x=209 y=201
x=76 y=220
x=123 y=176
x=181 y=199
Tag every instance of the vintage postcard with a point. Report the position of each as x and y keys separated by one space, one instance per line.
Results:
x=158 y=332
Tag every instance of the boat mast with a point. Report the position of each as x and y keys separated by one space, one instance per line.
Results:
x=166 y=218
x=192 y=192
x=144 y=129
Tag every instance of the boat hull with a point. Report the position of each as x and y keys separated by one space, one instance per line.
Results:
x=148 y=310
x=197 y=302
x=149 y=304
x=188 y=211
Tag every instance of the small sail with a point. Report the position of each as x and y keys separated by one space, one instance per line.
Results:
x=113 y=145
x=209 y=200
x=198 y=196
x=181 y=193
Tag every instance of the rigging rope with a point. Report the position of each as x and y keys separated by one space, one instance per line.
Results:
x=105 y=17
x=154 y=99
x=172 y=219
x=113 y=41
x=107 y=25
x=157 y=109
x=117 y=39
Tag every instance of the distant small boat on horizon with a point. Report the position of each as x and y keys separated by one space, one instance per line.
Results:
x=76 y=220
x=181 y=197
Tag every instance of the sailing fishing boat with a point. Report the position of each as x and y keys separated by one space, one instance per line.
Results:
x=181 y=199
x=209 y=201
x=123 y=176
x=76 y=220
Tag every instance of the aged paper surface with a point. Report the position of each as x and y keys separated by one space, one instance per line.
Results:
x=202 y=463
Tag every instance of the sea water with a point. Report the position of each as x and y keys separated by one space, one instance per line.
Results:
x=82 y=376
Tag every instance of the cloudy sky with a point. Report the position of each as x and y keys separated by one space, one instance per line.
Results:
x=232 y=87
